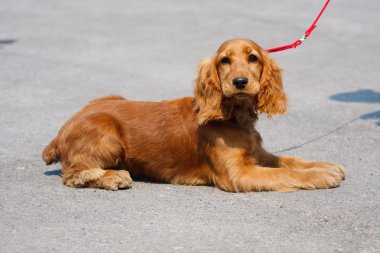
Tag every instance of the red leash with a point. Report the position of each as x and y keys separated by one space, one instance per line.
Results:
x=306 y=34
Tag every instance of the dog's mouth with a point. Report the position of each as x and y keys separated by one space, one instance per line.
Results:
x=239 y=95
x=230 y=91
x=242 y=96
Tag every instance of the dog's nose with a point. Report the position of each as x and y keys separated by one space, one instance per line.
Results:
x=240 y=82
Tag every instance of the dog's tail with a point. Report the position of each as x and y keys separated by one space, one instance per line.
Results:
x=50 y=154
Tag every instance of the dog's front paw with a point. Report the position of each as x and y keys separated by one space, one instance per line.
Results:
x=332 y=166
x=324 y=176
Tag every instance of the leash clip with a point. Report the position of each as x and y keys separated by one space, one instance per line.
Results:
x=304 y=37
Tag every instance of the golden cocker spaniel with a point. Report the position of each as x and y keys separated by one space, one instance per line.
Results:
x=208 y=139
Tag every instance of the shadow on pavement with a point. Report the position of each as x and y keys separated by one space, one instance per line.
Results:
x=58 y=172
x=53 y=173
x=6 y=42
x=372 y=116
x=361 y=96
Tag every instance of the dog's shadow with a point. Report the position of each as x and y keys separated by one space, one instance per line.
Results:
x=361 y=96
x=4 y=42
x=56 y=172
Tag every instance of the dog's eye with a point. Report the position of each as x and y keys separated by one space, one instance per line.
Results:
x=225 y=60
x=252 y=58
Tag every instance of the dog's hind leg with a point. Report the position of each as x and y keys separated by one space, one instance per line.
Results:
x=113 y=180
x=96 y=178
x=91 y=155
x=99 y=178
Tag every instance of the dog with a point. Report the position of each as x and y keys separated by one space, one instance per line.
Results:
x=207 y=139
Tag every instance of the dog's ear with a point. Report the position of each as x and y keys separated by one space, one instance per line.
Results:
x=271 y=97
x=208 y=94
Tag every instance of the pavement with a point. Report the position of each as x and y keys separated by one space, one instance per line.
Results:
x=55 y=56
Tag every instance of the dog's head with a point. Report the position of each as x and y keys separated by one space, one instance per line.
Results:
x=239 y=71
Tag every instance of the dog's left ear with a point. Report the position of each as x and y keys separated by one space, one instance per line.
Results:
x=271 y=97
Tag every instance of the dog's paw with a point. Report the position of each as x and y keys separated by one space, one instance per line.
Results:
x=113 y=180
x=332 y=166
x=326 y=175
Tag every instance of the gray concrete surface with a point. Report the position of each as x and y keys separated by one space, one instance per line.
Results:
x=57 y=55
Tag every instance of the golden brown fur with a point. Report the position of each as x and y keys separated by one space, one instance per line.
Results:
x=208 y=139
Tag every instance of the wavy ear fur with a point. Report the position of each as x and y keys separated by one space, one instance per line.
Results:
x=271 y=97
x=208 y=94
